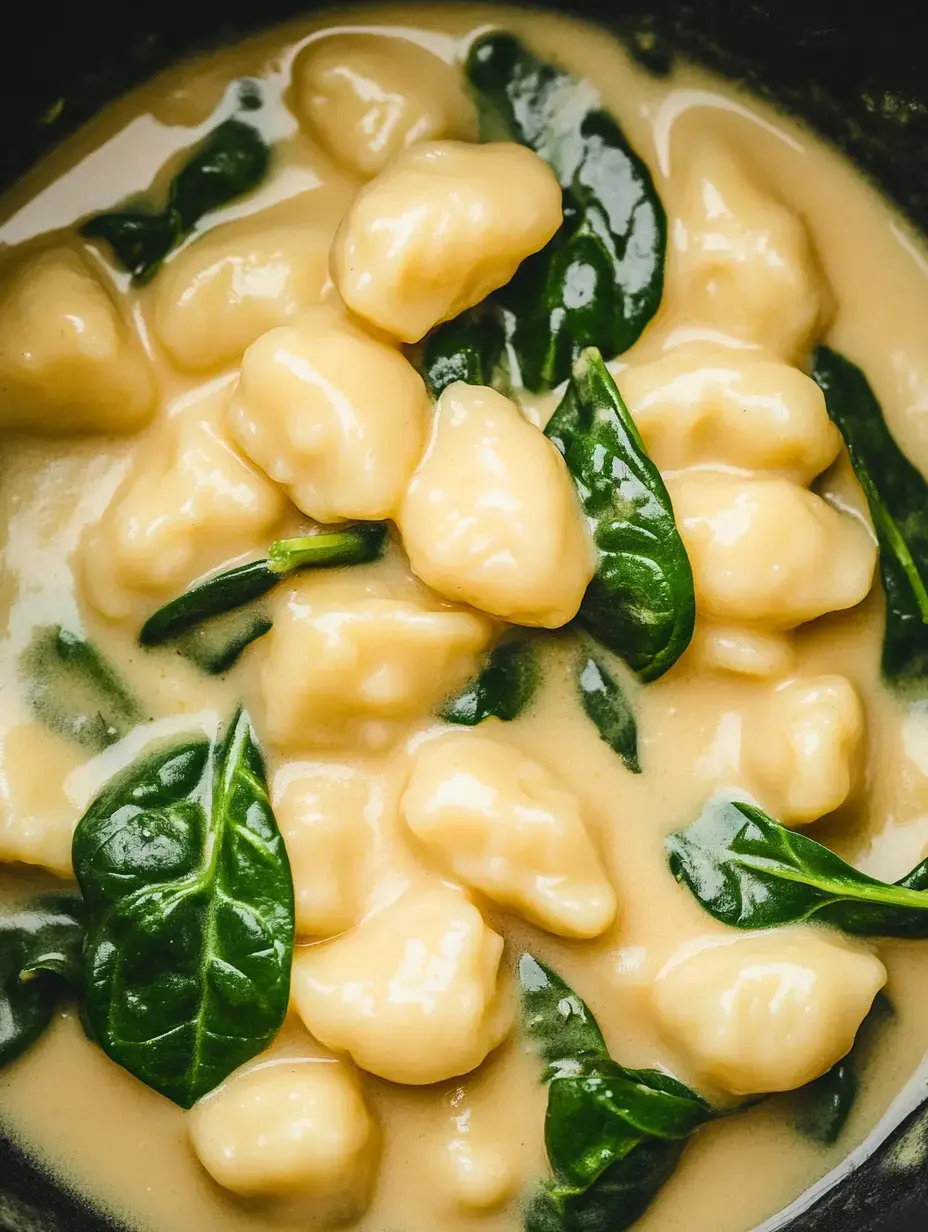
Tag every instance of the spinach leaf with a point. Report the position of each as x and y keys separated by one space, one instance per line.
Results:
x=600 y=280
x=750 y=872
x=231 y=162
x=224 y=592
x=640 y=603
x=613 y=1135
x=898 y=498
x=74 y=690
x=606 y=705
x=40 y=949
x=469 y=348
x=825 y=1104
x=503 y=688
x=217 y=644
x=190 y=914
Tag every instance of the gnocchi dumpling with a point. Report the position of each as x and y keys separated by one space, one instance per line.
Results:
x=740 y=261
x=766 y=1012
x=491 y=518
x=289 y=1129
x=749 y=413
x=497 y=821
x=366 y=97
x=443 y=226
x=766 y=551
x=320 y=810
x=478 y=1174
x=804 y=751
x=222 y=293
x=68 y=362
x=757 y=653
x=337 y=418
x=190 y=503
x=37 y=819
x=412 y=994
x=348 y=667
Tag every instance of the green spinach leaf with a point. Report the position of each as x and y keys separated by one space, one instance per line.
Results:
x=217 y=644
x=641 y=603
x=231 y=162
x=502 y=689
x=189 y=905
x=224 y=592
x=600 y=280
x=606 y=705
x=750 y=872
x=74 y=690
x=898 y=498
x=613 y=1135
x=40 y=952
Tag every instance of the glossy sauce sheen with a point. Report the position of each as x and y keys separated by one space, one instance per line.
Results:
x=459 y=1154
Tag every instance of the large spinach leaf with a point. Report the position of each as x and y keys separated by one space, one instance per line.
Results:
x=74 y=690
x=190 y=914
x=502 y=689
x=898 y=498
x=40 y=952
x=613 y=1135
x=231 y=162
x=750 y=872
x=600 y=280
x=640 y=603
x=605 y=704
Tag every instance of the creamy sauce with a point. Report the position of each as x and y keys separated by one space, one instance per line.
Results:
x=701 y=730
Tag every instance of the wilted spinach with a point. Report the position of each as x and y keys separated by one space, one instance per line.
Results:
x=40 y=956
x=502 y=689
x=897 y=494
x=600 y=279
x=225 y=592
x=217 y=644
x=189 y=904
x=605 y=704
x=640 y=603
x=231 y=162
x=613 y=1135
x=750 y=872
x=74 y=690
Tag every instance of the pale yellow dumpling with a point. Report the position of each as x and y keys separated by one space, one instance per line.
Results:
x=37 y=819
x=757 y=653
x=694 y=407
x=190 y=503
x=443 y=226
x=766 y=1012
x=766 y=551
x=804 y=751
x=476 y=1174
x=68 y=361
x=491 y=517
x=289 y=1129
x=367 y=97
x=412 y=994
x=358 y=668
x=740 y=262
x=499 y=822
x=222 y=293
x=320 y=810
x=336 y=417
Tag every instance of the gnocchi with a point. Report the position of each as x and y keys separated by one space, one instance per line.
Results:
x=497 y=821
x=412 y=994
x=444 y=225
x=37 y=819
x=490 y=517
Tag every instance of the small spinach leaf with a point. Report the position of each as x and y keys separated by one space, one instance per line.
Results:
x=503 y=688
x=600 y=280
x=217 y=644
x=641 y=602
x=469 y=349
x=224 y=592
x=190 y=914
x=74 y=690
x=606 y=705
x=613 y=1135
x=750 y=872
x=231 y=162
x=898 y=498
x=40 y=951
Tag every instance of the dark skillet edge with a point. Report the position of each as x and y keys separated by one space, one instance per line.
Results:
x=831 y=62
